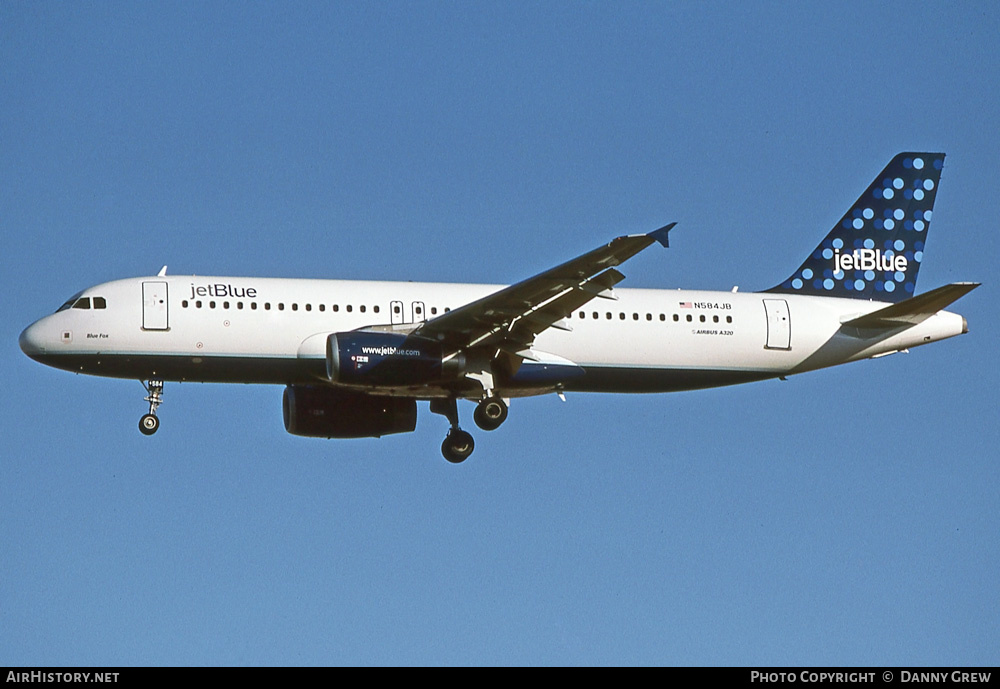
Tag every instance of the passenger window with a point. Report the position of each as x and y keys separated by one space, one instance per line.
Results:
x=295 y=307
x=198 y=303
x=211 y=304
x=184 y=303
x=375 y=309
x=349 y=308
x=281 y=306
x=239 y=306
x=322 y=307
x=253 y=306
x=729 y=319
x=309 y=307
x=361 y=308
x=336 y=308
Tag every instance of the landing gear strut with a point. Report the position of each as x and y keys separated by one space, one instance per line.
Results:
x=149 y=423
x=458 y=444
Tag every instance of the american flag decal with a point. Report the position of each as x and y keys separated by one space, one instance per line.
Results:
x=686 y=305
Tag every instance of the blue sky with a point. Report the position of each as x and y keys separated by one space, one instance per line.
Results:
x=847 y=516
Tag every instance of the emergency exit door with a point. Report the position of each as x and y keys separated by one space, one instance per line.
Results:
x=396 y=313
x=417 y=309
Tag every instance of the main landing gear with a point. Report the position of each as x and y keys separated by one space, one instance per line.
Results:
x=490 y=413
x=458 y=444
x=149 y=423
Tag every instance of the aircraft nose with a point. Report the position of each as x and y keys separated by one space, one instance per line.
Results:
x=31 y=341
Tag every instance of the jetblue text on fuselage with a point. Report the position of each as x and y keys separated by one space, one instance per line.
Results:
x=220 y=289
x=390 y=351
x=869 y=259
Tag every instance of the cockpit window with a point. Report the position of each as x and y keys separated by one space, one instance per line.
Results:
x=78 y=302
x=69 y=303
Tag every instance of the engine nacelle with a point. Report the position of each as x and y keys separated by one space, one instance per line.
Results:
x=319 y=412
x=388 y=359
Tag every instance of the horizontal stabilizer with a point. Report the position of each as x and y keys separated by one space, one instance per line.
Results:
x=914 y=310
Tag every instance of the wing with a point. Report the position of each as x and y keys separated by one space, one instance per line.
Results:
x=511 y=318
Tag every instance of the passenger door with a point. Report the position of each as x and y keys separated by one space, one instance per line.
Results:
x=779 y=325
x=155 y=315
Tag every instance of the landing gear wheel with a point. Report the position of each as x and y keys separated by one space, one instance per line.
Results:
x=490 y=413
x=149 y=424
x=457 y=446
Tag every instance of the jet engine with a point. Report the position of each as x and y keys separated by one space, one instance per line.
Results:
x=388 y=359
x=320 y=412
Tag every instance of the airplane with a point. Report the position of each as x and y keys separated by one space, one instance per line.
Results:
x=356 y=356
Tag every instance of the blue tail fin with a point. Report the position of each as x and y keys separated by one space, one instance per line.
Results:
x=875 y=251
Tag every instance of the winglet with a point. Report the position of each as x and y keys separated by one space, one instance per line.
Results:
x=660 y=235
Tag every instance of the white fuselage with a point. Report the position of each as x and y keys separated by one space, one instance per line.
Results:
x=266 y=330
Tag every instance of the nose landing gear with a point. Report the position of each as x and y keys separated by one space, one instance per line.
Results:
x=149 y=423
